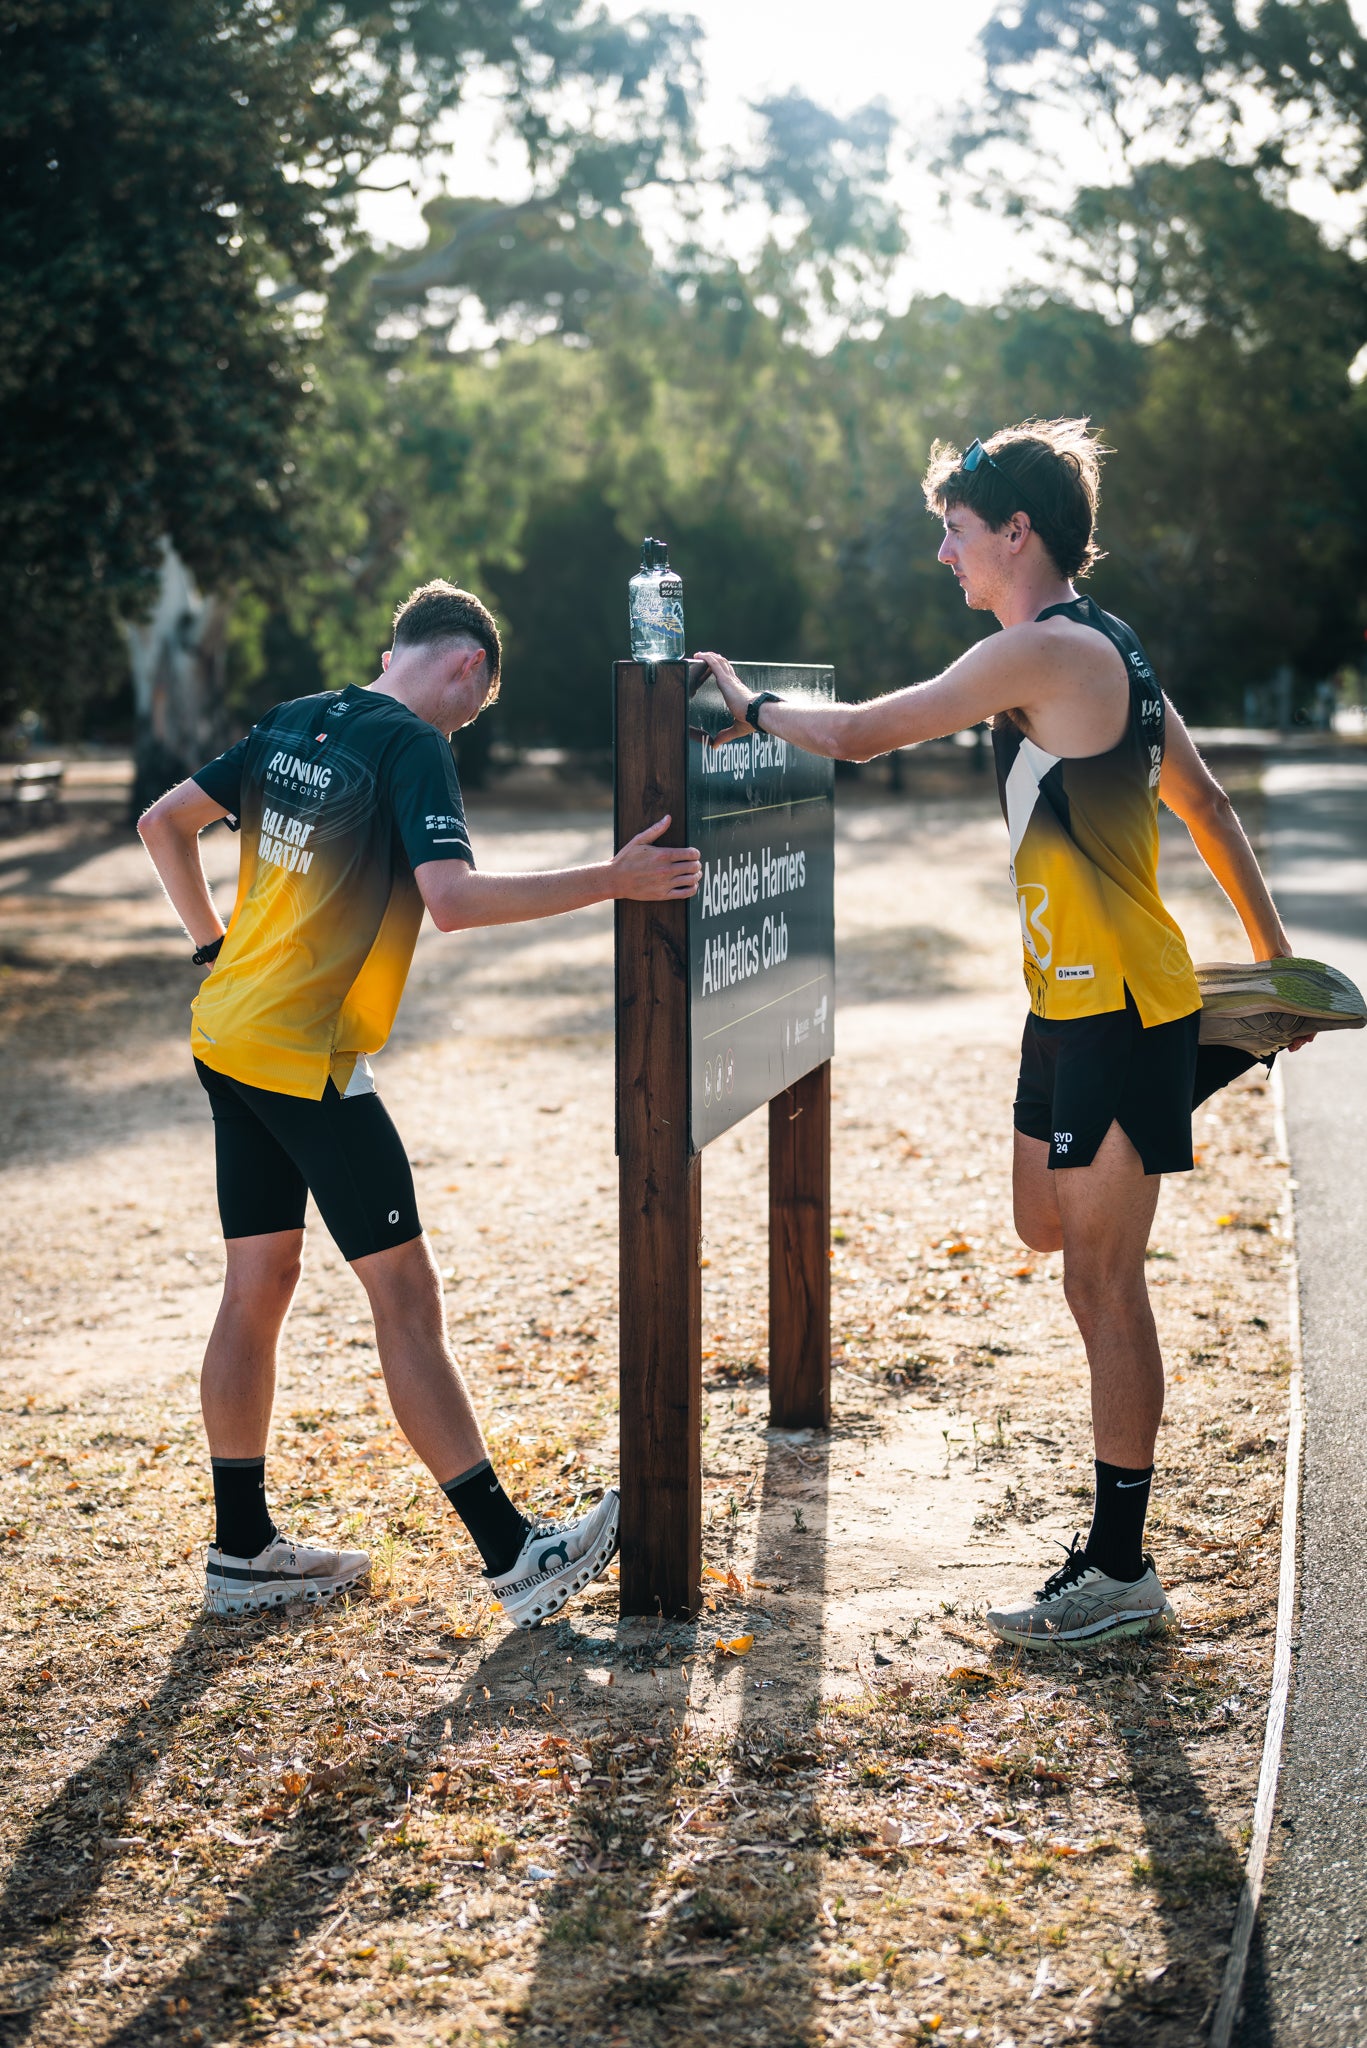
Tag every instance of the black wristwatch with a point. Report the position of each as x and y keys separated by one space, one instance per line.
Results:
x=204 y=956
x=753 y=708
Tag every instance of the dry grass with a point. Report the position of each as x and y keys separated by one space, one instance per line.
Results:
x=393 y=1822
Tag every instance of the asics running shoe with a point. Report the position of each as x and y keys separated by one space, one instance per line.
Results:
x=1079 y=1604
x=283 y=1571
x=1261 y=1006
x=558 y=1560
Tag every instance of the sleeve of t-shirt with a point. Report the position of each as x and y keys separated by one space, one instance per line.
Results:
x=221 y=778
x=425 y=794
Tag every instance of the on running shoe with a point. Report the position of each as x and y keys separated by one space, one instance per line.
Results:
x=558 y=1560
x=1261 y=1005
x=1079 y=1604
x=283 y=1571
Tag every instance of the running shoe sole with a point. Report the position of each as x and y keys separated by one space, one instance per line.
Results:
x=279 y=1593
x=1267 y=999
x=561 y=1586
x=1150 y=1622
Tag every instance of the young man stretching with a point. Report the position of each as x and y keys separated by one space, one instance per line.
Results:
x=1085 y=745
x=351 y=822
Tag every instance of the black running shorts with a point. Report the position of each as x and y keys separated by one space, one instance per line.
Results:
x=273 y=1151
x=1079 y=1075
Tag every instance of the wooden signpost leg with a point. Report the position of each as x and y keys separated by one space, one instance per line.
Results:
x=659 y=1184
x=799 y=1253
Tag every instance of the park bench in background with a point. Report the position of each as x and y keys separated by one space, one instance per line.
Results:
x=31 y=792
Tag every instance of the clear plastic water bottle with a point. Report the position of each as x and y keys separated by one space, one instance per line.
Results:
x=655 y=602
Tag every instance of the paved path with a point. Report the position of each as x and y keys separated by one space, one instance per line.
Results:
x=1307 y=1980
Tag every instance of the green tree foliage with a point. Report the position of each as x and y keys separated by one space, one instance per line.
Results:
x=1236 y=511
x=1266 y=81
x=173 y=173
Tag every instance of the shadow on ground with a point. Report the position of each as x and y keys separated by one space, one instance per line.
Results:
x=723 y=1949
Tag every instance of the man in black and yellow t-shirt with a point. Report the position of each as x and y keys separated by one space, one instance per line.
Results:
x=351 y=824
x=1086 y=744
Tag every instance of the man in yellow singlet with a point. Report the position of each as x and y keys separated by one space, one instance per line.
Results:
x=1086 y=744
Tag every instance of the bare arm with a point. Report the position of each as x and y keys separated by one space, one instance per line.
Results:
x=170 y=831
x=460 y=897
x=995 y=675
x=1188 y=788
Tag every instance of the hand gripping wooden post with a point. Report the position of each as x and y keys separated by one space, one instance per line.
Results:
x=689 y=1066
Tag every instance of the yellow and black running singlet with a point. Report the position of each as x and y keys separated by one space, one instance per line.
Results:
x=1084 y=858
x=338 y=797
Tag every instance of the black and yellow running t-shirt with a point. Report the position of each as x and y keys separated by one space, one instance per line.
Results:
x=1084 y=857
x=338 y=797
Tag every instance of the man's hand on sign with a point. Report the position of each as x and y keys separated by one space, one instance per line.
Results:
x=647 y=873
x=735 y=693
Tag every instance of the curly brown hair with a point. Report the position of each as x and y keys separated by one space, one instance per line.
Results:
x=442 y=611
x=1050 y=469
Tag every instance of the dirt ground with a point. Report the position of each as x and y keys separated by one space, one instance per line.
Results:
x=830 y=1811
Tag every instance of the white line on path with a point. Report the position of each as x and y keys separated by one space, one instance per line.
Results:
x=1231 y=1990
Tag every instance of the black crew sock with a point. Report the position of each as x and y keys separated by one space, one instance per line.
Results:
x=496 y=1528
x=1116 y=1543
x=244 y=1525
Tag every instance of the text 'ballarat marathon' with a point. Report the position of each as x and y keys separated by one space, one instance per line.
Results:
x=283 y=841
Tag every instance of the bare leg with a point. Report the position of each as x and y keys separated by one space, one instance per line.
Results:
x=431 y=1404
x=1034 y=1196
x=1106 y=1211
x=237 y=1384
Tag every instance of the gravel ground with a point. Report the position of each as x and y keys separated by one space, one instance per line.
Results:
x=829 y=1811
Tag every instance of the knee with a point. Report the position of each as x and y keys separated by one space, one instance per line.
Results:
x=1097 y=1298
x=1039 y=1233
x=1083 y=1291
x=403 y=1284
x=266 y=1281
x=1037 y=1223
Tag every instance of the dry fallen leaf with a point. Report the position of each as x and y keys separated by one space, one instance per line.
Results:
x=970 y=1680
x=738 y=1646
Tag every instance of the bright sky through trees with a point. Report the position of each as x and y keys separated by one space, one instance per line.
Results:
x=919 y=55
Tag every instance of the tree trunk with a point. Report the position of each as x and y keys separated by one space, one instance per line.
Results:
x=178 y=655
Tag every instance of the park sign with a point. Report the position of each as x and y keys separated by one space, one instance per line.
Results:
x=761 y=929
x=734 y=986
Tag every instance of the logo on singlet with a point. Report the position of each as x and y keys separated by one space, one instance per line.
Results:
x=1039 y=940
x=1074 y=973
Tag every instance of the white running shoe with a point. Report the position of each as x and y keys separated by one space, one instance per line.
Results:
x=283 y=1571
x=558 y=1560
x=1079 y=1604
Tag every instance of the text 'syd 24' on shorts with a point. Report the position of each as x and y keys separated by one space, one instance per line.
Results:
x=1079 y=1075
x=273 y=1151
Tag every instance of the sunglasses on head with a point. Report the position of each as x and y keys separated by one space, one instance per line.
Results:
x=975 y=455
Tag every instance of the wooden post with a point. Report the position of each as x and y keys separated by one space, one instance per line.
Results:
x=659 y=1184
x=799 y=1253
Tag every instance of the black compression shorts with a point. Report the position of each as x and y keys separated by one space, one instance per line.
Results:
x=1079 y=1075
x=273 y=1151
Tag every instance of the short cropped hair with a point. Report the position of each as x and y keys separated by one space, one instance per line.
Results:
x=1050 y=469
x=441 y=611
